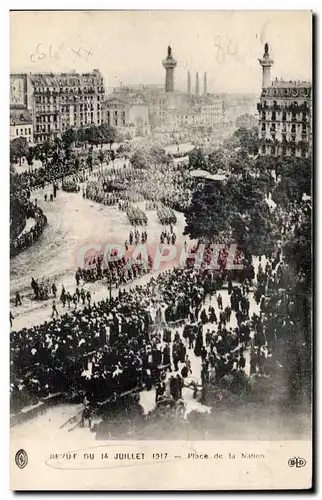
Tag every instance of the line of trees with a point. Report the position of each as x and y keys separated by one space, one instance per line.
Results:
x=94 y=135
x=61 y=147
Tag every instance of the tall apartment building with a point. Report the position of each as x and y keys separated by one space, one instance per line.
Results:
x=284 y=115
x=59 y=101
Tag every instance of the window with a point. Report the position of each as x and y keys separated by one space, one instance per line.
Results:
x=21 y=131
x=26 y=131
x=263 y=127
x=17 y=131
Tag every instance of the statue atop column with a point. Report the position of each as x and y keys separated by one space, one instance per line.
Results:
x=169 y=51
x=266 y=49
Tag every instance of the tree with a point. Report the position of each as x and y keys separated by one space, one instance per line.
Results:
x=295 y=178
x=216 y=161
x=18 y=149
x=89 y=161
x=207 y=215
x=248 y=139
x=247 y=121
x=108 y=134
x=46 y=149
x=69 y=138
x=81 y=136
x=197 y=159
x=30 y=157
x=158 y=155
x=58 y=144
x=140 y=159
x=234 y=209
x=101 y=157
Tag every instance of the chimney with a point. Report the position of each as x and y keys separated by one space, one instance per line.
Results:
x=197 y=85
x=205 y=91
x=189 y=84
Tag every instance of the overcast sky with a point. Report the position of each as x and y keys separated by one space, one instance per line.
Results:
x=129 y=46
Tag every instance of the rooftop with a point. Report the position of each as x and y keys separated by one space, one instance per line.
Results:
x=290 y=83
x=20 y=117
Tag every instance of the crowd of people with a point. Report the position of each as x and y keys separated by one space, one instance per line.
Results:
x=133 y=340
x=70 y=185
x=168 y=236
x=27 y=237
x=123 y=342
x=166 y=215
x=136 y=237
x=169 y=186
x=116 y=273
x=136 y=216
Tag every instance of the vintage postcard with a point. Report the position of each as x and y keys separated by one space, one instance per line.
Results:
x=160 y=246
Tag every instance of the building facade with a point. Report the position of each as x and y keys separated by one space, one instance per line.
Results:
x=21 y=125
x=65 y=100
x=285 y=115
x=128 y=113
x=58 y=101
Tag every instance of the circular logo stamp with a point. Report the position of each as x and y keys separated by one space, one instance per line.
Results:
x=21 y=459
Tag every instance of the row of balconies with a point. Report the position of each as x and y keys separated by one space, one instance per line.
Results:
x=291 y=107
x=285 y=142
x=283 y=136
x=80 y=110
x=42 y=128
x=283 y=152
x=67 y=90
x=276 y=118
x=284 y=132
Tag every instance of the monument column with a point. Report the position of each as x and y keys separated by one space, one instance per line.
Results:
x=266 y=63
x=169 y=64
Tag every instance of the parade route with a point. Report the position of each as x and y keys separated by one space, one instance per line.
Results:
x=73 y=223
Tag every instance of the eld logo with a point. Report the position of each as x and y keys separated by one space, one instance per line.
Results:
x=21 y=459
x=297 y=462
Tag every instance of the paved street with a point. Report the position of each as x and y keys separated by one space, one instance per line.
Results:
x=73 y=222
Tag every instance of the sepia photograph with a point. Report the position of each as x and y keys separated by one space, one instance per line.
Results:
x=161 y=249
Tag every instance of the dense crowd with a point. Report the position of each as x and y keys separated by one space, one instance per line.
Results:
x=166 y=215
x=166 y=186
x=132 y=340
x=28 y=237
x=70 y=185
x=137 y=217
x=122 y=343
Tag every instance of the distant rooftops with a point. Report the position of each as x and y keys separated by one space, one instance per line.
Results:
x=71 y=77
x=290 y=83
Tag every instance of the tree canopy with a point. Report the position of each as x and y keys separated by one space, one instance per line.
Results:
x=18 y=149
x=235 y=209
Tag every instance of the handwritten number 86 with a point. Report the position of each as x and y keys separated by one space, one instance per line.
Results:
x=223 y=51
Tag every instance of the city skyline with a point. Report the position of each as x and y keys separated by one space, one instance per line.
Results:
x=222 y=44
